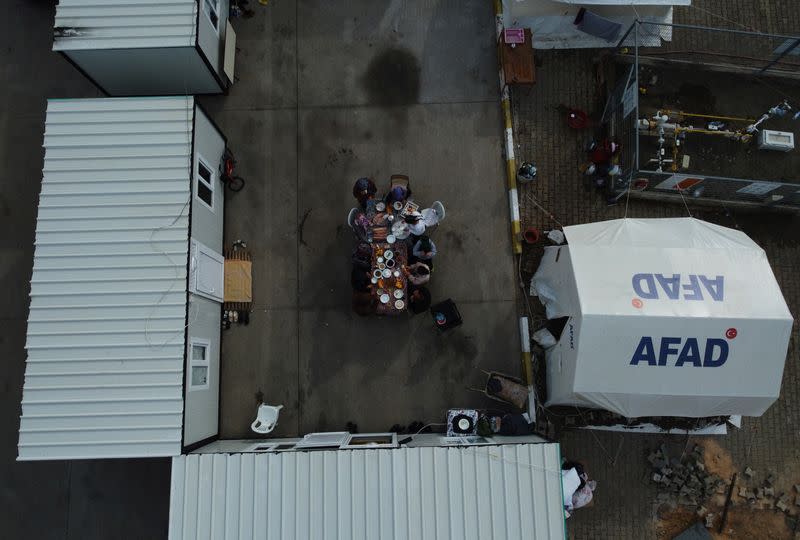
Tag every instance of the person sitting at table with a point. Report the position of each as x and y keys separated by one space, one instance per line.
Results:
x=364 y=303
x=398 y=193
x=419 y=301
x=424 y=250
x=417 y=273
x=360 y=278
x=415 y=223
x=362 y=256
x=363 y=190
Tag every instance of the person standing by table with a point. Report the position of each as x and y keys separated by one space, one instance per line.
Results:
x=415 y=224
x=363 y=190
x=417 y=273
x=424 y=250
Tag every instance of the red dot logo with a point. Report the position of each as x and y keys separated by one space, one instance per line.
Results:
x=731 y=333
x=637 y=303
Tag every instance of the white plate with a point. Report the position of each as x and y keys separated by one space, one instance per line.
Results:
x=389 y=254
x=398 y=293
x=387 y=273
x=381 y=266
x=380 y=207
x=397 y=205
x=401 y=230
x=391 y=239
x=377 y=273
x=384 y=299
x=399 y=304
x=374 y=280
x=380 y=259
x=397 y=273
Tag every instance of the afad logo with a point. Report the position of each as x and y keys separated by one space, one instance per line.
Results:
x=713 y=352
x=676 y=286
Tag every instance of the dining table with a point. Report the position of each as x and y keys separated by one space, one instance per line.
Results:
x=389 y=256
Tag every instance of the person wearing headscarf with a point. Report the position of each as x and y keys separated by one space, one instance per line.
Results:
x=363 y=190
x=398 y=193
x=417 y=273
x=415 y=223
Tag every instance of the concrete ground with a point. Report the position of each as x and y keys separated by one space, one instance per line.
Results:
x=328 y=92
x=625 y=505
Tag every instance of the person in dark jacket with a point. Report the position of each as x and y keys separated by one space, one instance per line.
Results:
x=363 y=190
x=419 y=300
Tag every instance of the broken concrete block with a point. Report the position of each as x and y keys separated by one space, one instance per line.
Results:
x=782 y=506
x=709 y=521
x=666 y=471
x=656 y=477
x=751 y=496
x=749 y=472
x=701 y=511
x=743 y=492
x=701 y=466
x=769 y=492
x=759 y=493
x=652 y=457
x=770 y=480
x=797 y=488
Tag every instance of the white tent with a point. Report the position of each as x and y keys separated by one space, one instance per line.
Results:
x=552 y=21
x=667 y=317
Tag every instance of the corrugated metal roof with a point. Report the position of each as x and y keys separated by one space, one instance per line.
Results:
x=489 y=492
x=122 y=24
x=104 y=375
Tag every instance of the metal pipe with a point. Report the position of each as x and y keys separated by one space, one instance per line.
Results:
x=636 y=93
x=626 y=35
x=682 y=113
x=778 y=59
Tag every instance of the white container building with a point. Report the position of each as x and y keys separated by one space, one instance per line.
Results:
x=124 y=326
x=148 y=47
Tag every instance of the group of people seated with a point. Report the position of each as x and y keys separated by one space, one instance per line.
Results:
x=420 y=263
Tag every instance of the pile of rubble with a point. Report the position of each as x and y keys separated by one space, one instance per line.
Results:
x=684 y=480
x=763 y=494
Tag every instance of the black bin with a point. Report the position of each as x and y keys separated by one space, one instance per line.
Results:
x=445 y=315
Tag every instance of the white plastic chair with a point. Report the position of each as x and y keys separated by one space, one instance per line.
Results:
x=266 y=419
x=351 y=217
x=438 y=207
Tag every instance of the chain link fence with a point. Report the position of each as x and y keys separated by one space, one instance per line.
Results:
x=709 y=153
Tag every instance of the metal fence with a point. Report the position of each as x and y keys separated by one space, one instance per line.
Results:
x=751 y=55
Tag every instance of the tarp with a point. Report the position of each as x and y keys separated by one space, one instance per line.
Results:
x=667 y=317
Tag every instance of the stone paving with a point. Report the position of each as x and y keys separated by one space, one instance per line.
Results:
x=625 y=504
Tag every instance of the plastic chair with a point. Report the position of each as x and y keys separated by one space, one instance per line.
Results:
x=351 y=217
x=398 y=180
x=438 y=207
x=266 y=419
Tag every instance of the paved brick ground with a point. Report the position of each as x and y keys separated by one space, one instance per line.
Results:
x=625 y=501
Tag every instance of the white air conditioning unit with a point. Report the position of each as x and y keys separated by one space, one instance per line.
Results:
x=782 y=141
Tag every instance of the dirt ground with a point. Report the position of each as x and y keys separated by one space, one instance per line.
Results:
x=718 y=460
x=742 y=522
